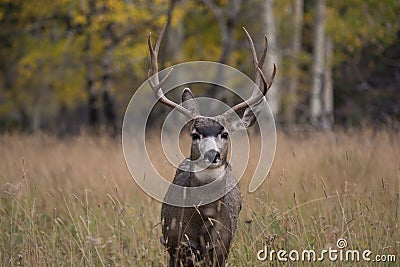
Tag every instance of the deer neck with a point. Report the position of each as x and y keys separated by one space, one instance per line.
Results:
x=208 y=175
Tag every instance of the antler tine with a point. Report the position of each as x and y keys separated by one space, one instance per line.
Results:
x=265 y=82
x=257 y=64
x=264 y=54
x=156 y=84
x=252 y=48
x=272 y=77
x=259 y=75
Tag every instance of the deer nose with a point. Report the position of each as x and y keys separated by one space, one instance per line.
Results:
x=212 y=156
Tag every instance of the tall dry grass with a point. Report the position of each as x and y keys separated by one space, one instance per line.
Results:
x=72 y=201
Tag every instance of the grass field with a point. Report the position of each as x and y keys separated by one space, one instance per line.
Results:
x=72 y=202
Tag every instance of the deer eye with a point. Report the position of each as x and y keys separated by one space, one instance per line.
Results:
x=224 y=135
x=195 y=136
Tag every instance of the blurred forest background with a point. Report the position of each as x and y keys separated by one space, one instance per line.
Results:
x=68 y=65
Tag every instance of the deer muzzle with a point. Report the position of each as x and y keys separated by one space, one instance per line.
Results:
x=212 y=156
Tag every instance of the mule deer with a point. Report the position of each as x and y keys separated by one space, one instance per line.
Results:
x=202 y=235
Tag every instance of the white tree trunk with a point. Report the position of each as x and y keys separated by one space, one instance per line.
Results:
x=318 y=65
x=270 y=29
x=175 y=42
x=294 y=65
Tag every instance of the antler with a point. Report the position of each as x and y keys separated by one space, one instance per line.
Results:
x=154 y=80
x=259 y=76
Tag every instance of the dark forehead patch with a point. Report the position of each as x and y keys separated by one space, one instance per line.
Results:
x=207 y=127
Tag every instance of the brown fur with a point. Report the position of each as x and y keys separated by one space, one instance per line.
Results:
x=202 y=236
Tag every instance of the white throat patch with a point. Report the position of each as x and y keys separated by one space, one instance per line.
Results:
x=210 y=174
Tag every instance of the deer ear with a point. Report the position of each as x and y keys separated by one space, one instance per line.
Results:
x=189 y=102
x=236 y=123
x=249 y=115
x=248 y=118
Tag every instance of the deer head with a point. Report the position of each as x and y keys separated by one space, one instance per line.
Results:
x=210 y=135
